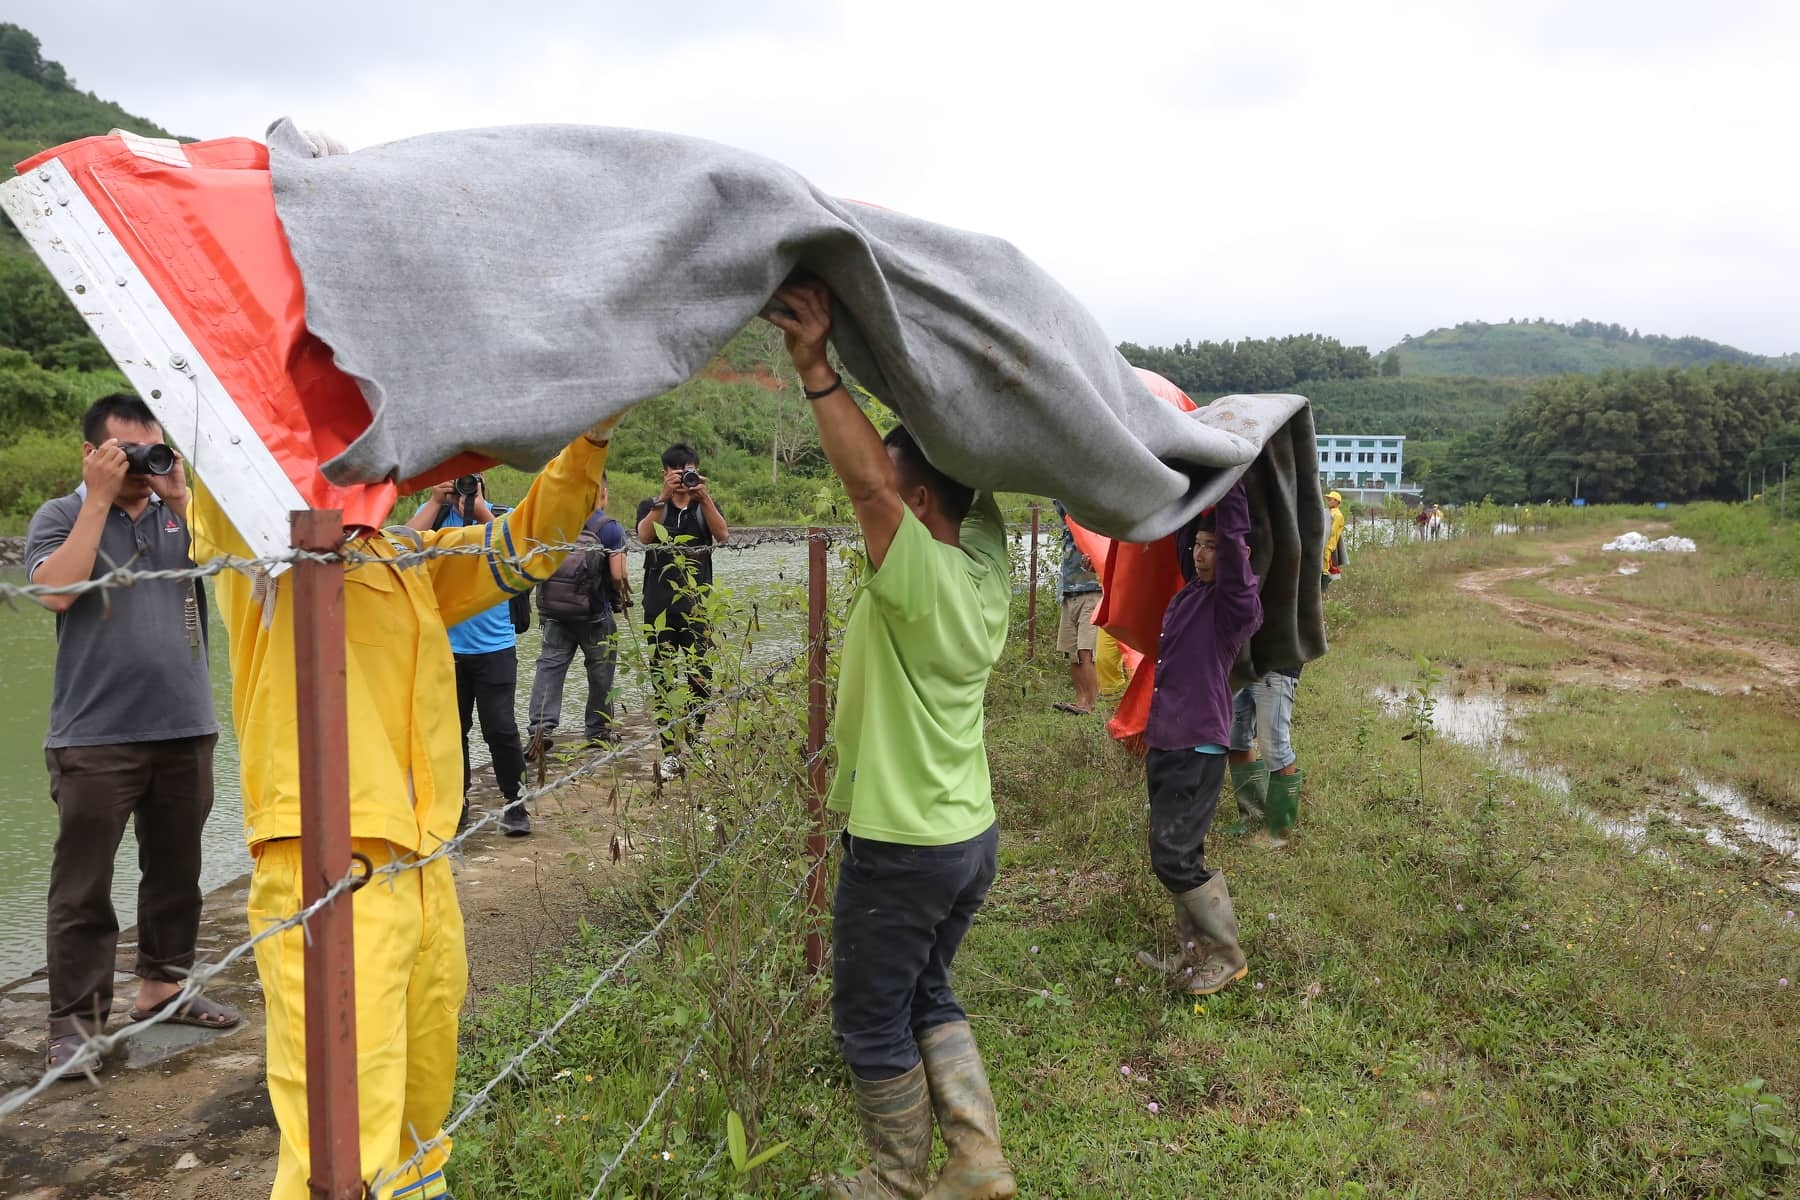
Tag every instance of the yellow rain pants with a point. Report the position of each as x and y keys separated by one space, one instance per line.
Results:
x=1109 y=665
x=411 y=973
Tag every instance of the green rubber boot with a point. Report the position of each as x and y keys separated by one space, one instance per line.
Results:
x=1284 y=805
x=1250 y=784
x=1223 y=962
x=976 y=1169
x=896 y=1119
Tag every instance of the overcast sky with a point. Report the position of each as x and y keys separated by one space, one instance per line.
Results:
x=1188 y=169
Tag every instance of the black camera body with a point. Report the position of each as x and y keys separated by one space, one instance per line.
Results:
x=467 y=485
x=147 y=458
x=690 y=479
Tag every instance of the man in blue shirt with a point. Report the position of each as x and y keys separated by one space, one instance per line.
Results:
x=487 y=663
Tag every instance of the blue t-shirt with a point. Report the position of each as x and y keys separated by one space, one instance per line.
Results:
x=484 y=632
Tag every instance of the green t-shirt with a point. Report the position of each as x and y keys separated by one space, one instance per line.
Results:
x=924 y=634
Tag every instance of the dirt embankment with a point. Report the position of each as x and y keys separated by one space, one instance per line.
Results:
x=183 y=1114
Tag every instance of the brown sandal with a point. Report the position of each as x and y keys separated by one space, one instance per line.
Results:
x=198 y=1011
x=63 y=1049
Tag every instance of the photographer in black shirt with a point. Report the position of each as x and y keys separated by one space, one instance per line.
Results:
x=678 y=530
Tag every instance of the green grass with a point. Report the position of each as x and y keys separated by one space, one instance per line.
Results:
x=1476 y=996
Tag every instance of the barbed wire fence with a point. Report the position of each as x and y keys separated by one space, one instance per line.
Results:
x=360 y=872
x=322 y=623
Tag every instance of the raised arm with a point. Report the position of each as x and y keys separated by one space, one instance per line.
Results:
x=1239 y=603
x=561 y=499
x=847 y=436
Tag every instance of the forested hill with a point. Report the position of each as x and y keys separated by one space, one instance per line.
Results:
x=41 y=107
x=1520 y=349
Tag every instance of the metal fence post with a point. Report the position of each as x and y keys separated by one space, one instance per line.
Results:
x=1031 y=596
x=323 y=730
x=816 y=712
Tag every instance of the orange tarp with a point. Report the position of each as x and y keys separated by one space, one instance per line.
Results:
x=1137 y=581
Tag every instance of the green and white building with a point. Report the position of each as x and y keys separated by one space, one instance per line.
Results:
x=1372 y=467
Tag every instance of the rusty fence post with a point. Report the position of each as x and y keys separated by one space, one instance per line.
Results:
x=816 y=703
x=333 y=1121
x=1031 y=595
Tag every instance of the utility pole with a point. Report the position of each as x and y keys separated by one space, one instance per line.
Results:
x=1578 y=487
x=1784 y=491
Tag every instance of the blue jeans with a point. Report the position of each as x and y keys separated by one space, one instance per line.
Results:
x=1263 y=712
x=899 y=916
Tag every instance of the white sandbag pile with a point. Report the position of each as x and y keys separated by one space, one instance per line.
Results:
x=1636 y=543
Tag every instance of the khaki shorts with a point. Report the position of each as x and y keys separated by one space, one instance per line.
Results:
x=1076 y=631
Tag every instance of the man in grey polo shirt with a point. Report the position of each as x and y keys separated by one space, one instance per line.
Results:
x=131 y=729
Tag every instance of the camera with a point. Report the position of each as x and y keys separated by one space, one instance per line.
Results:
x=147 y=458
x=467 y=485
x=690 y=479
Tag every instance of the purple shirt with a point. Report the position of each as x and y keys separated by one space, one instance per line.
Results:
x=1204 y=627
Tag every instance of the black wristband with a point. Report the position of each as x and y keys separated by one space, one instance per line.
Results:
x=821 y=394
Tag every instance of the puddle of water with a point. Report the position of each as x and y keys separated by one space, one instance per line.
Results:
x=1759 y=827
x=1483 y=721
x=1476 y=719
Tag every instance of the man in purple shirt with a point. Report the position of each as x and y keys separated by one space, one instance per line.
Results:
x=1204 y=627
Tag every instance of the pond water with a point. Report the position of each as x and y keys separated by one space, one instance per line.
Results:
x=763 y=577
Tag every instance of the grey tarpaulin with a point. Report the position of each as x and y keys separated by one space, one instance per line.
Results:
x=499 y=290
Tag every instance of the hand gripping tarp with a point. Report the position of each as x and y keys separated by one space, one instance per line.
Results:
x=1139 y=579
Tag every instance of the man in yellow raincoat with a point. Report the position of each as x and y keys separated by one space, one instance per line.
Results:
x=405 y=796
x=1333 y=540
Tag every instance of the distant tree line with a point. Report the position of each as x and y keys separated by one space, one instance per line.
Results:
x=1205 y=369
x=1658 y=433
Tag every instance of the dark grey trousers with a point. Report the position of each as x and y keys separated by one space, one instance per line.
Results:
x=598 y=642
x=167 y=787
x=899 y=916
x=1184 y=794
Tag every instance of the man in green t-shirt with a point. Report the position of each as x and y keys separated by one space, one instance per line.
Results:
x=926 y=628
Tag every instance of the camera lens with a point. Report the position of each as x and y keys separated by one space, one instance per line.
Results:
x=147 y=458
x=467 y=485
x=690 y=478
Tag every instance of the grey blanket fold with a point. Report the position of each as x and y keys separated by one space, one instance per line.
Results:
x=499 y=290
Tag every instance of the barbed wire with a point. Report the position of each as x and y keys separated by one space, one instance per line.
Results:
x=768 y=678
x=123 y=576
x=484 y=1094
x=694 y=1046
x=96 y=1047
x=99 y=1045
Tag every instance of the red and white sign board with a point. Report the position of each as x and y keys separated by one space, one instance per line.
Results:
x=175 y=258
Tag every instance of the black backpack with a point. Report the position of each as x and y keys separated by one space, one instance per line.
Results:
x=581 y=589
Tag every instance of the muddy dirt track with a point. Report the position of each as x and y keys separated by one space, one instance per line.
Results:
x=1618 y=642
x=184 y=1115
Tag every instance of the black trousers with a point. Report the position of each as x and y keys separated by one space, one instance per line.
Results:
x=485 y=684
x=899 y=916
x=680 y=647
x=1184 y=794
x=167 y=787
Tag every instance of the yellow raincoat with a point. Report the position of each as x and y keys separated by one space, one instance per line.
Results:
x=1331 y=539
x=405 y=799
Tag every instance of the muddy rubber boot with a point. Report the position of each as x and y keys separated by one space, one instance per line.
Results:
x=1209 y=907
x=896 y=1119
x=1250 y=784
x=1284 y=805
x=977 y=1170
x=1188 y=949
